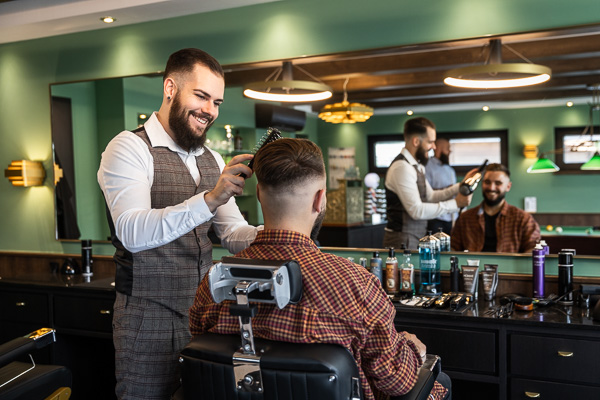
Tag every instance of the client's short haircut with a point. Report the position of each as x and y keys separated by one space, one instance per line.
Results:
x=497 y=167
x=417 y=126
x=287 y=162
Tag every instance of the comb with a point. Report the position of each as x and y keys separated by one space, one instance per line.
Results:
x=272 y=135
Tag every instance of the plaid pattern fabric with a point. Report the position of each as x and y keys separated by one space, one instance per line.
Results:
x=516 y=230
x=341 y=303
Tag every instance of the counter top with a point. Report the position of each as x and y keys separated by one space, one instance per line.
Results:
x=557 y=315
x=96 y=282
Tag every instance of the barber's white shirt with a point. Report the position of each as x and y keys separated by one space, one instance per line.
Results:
x=401 y=178
x=125 y=176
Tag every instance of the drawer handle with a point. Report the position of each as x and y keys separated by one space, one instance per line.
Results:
x=565 y=353
x=20 y=304
x=532 y=395
x=104 y=311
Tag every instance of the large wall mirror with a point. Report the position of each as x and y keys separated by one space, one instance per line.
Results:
x=86 y=115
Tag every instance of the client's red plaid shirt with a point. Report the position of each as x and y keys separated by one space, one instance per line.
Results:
x=341 y=303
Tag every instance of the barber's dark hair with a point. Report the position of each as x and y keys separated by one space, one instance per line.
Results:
x=417 y=126
x=184 y=61
x=497 y=167
x=286 y=162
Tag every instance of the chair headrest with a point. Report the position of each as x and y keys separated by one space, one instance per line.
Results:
x=274 y=281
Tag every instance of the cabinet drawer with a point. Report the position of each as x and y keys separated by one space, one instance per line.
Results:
x=525 y=389
x=460 y=349
x=565 y=359
x=24 y=307
x=93 y=315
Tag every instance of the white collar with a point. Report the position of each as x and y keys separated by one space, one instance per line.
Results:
x=409 y=157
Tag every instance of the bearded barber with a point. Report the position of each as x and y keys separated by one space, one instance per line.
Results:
x=164 y=189
x=495 y=225
x=411 y=201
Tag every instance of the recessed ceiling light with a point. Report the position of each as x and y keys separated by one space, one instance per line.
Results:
x=569 y=104
x=485 y=108
x=108 y=20
x=409 y=112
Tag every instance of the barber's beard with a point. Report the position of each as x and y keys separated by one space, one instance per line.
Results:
x=421 y=156
x=179 y=122
x=314 y=233
x=495 y=202
x=445 y=159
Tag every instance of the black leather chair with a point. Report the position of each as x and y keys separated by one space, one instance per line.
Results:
x=218 y=367
x=27 y=380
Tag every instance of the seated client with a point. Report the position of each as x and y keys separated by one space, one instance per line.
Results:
x=341 y=302
x=495 y=225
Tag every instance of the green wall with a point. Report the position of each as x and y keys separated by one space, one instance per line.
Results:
x=284 y=29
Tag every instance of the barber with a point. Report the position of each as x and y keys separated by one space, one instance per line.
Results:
x=411 y=201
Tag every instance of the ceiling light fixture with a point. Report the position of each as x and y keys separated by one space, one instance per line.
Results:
x=591 y=144
x=496 y=75
x=345 y=112
x=288 y=89
x=108 y=20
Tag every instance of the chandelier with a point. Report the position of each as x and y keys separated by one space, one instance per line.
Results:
x=345 y=112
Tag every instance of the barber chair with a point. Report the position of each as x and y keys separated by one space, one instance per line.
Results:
x=221 y=367
x=27 y=380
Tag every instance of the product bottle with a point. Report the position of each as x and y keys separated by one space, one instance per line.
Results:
x=454 y=274
x=407 y=275
x=565 y=277
x=469 y=185
x=429 y=264
x=238 y=141
x=377 y=266
x=363 y=262
x=444 y=239
x=86 y=257
x=539 y=271
x=391 y=273
x=545 y=247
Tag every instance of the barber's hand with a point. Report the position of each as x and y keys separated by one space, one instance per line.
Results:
x=230 y=182
x=462 y=200
x=470 y=174
x=420 y=346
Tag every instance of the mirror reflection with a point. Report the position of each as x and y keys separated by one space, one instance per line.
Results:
x=86 y=115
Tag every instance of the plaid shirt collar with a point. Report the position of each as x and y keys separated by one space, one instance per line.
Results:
x=284 y=238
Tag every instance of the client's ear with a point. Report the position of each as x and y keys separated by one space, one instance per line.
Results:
x=319 y=200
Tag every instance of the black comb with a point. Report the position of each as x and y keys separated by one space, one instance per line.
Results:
x=272 y=135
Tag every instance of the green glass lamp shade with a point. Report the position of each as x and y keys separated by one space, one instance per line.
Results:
x=593 y=164
x=542 y=165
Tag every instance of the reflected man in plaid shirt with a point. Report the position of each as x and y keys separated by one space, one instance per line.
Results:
x=495 y=225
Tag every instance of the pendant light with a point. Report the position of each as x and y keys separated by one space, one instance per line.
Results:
x=496 y=75
x=345 y=112
x=593 y=163
x=543 y=165
x=288 y=89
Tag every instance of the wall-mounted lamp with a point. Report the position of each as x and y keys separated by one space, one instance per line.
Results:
x=25 y=173
x=530 y=151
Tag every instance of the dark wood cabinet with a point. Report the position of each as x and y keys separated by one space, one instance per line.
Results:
x=360 y=235
x=548 y=353
x=82 y=317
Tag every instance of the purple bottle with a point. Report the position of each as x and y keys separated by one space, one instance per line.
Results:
x=539 y=270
